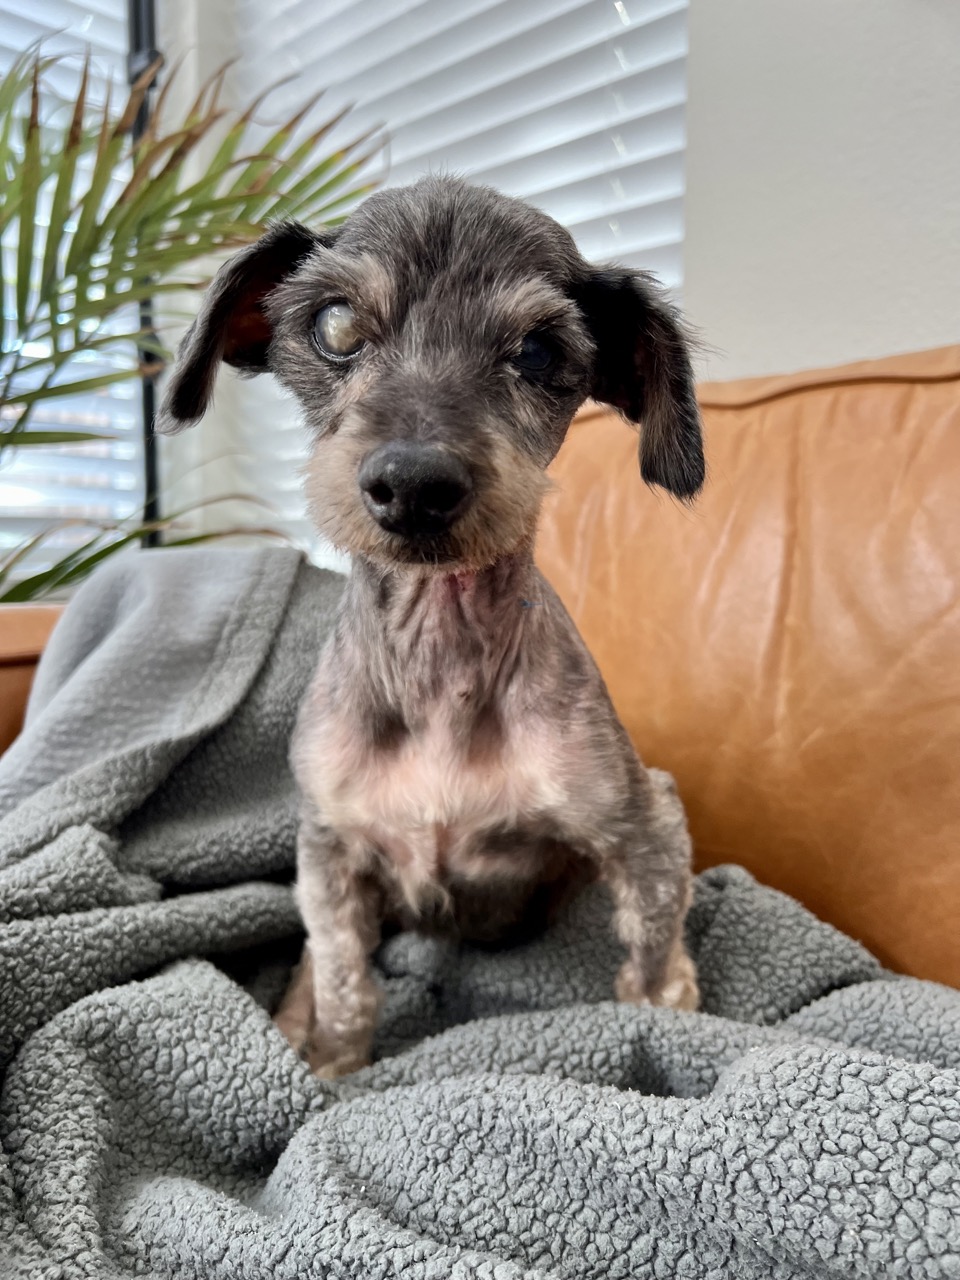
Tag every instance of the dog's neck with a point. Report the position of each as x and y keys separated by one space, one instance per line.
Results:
x=422 y=634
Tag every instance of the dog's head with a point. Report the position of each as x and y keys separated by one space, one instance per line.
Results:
x=439 y=343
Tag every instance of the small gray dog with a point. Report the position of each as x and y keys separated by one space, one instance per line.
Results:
x=461 y=765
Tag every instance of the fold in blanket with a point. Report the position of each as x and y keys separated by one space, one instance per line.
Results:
x=517 y=1122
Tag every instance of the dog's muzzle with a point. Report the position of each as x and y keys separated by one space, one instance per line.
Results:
x=416 y=490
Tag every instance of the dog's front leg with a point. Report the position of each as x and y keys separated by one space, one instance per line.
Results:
x=648 y=872
x=341 y=913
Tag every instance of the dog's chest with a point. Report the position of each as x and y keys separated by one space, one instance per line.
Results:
x=428 y=801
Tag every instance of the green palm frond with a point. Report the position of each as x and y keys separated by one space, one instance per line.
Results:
x=125 y=222
x=105 y=539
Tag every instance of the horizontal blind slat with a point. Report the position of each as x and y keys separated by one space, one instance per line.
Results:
x=65 y=26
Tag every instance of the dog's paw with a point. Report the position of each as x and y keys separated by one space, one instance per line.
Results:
x=629 y=986
x=679 y=989
x=326 y=1068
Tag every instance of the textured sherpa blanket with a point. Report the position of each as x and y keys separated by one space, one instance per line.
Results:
x=517 y=1123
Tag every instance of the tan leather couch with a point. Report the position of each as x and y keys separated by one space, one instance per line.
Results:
x=24 y=629
x=790 y=647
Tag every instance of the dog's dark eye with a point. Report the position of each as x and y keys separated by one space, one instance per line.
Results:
x=335 y=331
x=535 y=355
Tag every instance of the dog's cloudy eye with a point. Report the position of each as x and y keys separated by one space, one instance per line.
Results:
x=335 y=330
x=534 y=356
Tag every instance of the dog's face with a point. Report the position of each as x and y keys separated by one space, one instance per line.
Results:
x=439 y=344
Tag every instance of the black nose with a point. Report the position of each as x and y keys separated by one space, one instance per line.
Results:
x=415 y=489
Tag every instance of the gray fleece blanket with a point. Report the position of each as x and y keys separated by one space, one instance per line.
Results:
x=517 y=1123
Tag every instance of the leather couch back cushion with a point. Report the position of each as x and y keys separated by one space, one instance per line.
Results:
x=789 y=647
x=24 y=630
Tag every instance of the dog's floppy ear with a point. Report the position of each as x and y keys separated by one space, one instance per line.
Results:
x=643 y=369
x=232 y=326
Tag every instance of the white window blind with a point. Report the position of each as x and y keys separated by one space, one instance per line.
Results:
x=102 y=480
x=574 y=105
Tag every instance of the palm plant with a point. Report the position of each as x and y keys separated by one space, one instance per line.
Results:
x=93 y=223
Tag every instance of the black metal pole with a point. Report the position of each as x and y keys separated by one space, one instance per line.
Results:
x=142 y=53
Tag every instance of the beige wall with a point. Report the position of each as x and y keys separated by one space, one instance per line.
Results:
x=823 y=180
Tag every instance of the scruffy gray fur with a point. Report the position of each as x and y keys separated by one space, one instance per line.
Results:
x=461 y=766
